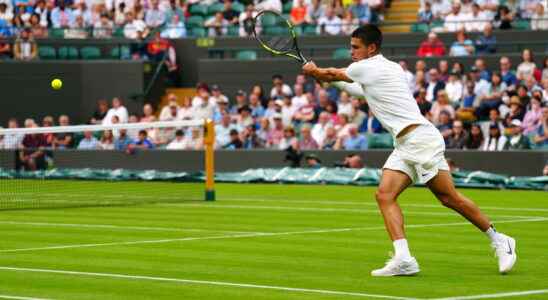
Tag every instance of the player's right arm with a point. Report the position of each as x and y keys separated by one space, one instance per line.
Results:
x=354 y=88
x=325 y=74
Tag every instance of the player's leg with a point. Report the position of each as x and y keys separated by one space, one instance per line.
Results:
x=393 y=183
x=505 y=247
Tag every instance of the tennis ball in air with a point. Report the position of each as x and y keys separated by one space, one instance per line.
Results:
x=56 y=83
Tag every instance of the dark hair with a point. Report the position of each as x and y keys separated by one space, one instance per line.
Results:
x=369 y=34
x=179 y=132
x=143 y=132
x=277 y=76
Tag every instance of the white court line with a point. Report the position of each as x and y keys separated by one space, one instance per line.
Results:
x=498 y=295
x=318 y=209
x=108 y=226
x=205 y=282
x=20 y=298
x=218 y=237
x=402 y=203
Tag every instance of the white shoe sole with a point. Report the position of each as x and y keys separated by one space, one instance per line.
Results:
x=514 y=256
x=392 y=275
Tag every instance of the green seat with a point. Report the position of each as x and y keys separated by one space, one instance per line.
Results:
x=47 y=52
x=233 y=30
x=198 y=32
x=287 y=7
x=118 y=32
x=237 y=6
x=57 y=33
x=215 y=8
x=341 y=53
x=198 y=9
x=246 y=55
x=310 y=30
x=521 y=25
x=380 y=141
x=275 y=30
x=268 y=20
x=195 y=21
x=420 y=27
x=436 y=23
x=90 y=52
x=67 y=53
x=122 y=52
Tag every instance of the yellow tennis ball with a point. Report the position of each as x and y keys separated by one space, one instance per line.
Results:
x=56 y=83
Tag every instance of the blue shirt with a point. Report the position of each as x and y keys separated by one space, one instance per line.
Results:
x=122 y=143
x=486 y=44
x=510 y=78
x=257 y=111
x=458 y=49
x=359 y=142
x=146 y=142
x=362 y=12
x=540 y=132
x=88 y=144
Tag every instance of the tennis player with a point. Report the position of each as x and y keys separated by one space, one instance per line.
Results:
x=419 y=148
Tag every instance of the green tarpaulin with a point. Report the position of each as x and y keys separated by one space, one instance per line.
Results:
x=366 y=176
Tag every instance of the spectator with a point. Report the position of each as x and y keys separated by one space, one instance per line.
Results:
x=185 y=111
x=541 y=136
x=62 y=15
x=158 y=49
x=32 y=154
x=331 y=142
x=493 y=98
x=371 y=124
x=119 y=110
x=444 y=125
x=489 y=8
x=38 y=30
x=89 y=142
x=504 y=18
x=107 y=140
x=517 y=140
x=264 y=128
x=354 y=140
x=154 y=17
x=148 y=114
x=244 y=118
x=319 y=129
x=235 y=142
x=349 y=23
x=527 y=8
x=408 y=74
x=533 y=117
x=306 y=141
x=5 y=13
x=306 y=113
x=424 y=105
x=357 y=115
x=360 y=11
x=251 y=139
x=434 y=85
x=432 y=46
x=426 y=15
x=420 y=81
x=174 y=9
x=475 y=139
x=315 y=11
x=25 y=47
x=246 y=20
x=527 y=66
x=175 y=29
x=467 y=111
x=103 y=28
x=494 y=118
x=135 y=28
x=330 y=24
x=441 y=105
x=77 y=29
x=122 y=142
x=101 y=112
x=495 y=141
x=5 y=48
x=443 y=69
x=313 y=161
x=539 y=20
x=298 y=13
x=217 y=25
x=481 y=86
x=441 y=8
x=353 y=161
x=229 y=14
x=63 y=140
x=202 y=104
x=476 y=20
x=47 y=121
x=455 y=20
x=516 y=109
x=257 y=110
x=487 y=42
x=13 y=141
x=178 y=143
x=279 y=88
x=507 y=75
x=299 y=99
x=142 y=142
x=276 y=133
x=288 y=138
x=462 y=46
x=454 y=89
x=458 y=137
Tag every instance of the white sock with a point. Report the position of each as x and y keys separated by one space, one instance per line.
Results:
x=402 y=249
x=492 y=234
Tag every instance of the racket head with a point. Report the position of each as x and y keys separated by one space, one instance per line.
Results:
x=274 y=32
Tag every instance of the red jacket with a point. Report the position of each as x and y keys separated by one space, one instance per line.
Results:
x=431 y=49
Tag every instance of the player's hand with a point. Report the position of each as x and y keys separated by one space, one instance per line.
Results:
x=309 y=68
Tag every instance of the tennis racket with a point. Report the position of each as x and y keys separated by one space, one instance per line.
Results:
x=277 y=35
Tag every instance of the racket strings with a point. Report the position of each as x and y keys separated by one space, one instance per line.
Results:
x=279 y=43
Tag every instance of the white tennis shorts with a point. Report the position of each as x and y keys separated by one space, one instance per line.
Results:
x=419 y=154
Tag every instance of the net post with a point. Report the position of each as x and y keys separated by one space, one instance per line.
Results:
x=209 y=143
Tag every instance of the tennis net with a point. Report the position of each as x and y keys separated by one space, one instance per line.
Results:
x=102 y=165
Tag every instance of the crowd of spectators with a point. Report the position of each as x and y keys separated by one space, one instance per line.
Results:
x=474 y=108
x=475 y=15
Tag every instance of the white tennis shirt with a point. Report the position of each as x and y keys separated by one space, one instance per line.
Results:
x=383 y=83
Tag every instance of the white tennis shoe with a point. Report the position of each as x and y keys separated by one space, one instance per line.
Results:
x=398 y=267
x=505 y=250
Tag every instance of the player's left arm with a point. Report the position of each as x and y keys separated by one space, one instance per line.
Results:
x=326 y=74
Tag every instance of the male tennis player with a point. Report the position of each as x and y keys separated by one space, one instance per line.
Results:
x=419 y=148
